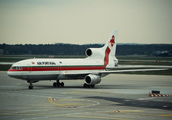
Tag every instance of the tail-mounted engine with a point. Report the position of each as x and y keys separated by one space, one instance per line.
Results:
x=94 y=52
x=92 y=79
x=88 y=52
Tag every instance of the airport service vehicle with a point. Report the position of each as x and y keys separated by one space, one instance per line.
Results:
x=98 y=63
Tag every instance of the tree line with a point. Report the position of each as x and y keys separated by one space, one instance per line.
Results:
x=75 y=49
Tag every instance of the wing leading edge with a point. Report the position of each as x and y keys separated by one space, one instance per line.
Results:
x=72 y=73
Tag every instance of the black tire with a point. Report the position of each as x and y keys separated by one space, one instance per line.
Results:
x=30 y=87
x=54 y=84
x=92 y=86
x=62 y=84
x=85 y=85
x=58 y=85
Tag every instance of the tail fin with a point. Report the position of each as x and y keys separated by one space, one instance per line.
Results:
x=107 y=52
x=110 y=50
x=111 y=43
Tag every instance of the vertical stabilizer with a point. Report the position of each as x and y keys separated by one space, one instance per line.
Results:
x=107 y=52
x=111 y=43
x=110 y=50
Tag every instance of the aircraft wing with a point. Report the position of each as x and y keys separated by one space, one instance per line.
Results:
x=84 y=73
x=135 y=68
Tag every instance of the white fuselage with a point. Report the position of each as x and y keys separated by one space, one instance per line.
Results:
x=53 y=69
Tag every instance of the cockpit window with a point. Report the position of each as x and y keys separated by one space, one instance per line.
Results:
x=16 y=68
x=13 y=67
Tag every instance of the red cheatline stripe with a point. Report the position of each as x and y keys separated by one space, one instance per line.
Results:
x=107 y=56
x=59 y=68
x=42 y=68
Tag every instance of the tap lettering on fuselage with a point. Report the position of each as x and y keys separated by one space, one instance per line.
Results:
x=46 y=63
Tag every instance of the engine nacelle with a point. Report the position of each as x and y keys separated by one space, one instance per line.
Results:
x=94 y=52
x=92 y=79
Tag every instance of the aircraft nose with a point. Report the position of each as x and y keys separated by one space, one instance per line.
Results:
x=9 y=73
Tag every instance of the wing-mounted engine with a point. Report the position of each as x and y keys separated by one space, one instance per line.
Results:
x=92 y=79
x=94 y=52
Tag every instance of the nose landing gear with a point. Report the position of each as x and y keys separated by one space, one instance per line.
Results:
x=30 y=86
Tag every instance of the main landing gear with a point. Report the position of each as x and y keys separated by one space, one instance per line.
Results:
x=88 y=86
x=58 y=84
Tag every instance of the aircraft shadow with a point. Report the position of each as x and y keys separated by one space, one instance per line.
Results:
x=81 y=87
x=136 y=103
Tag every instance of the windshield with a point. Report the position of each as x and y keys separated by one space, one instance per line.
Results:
x=16 y=68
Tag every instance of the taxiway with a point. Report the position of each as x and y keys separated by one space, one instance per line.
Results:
x=118 y=97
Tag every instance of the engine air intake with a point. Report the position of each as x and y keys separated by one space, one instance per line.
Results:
x=88 y=52
x=88 y=79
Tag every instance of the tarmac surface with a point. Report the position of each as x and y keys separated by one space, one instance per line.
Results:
x=118 y=97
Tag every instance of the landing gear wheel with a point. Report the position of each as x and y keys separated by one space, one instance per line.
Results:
x=92 y=86
x=62 y=84
x=85 y=85
x=30 y=87
x=88 y=86
x=58 y=84
x=54 y=84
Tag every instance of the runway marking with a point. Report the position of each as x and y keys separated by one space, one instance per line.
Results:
x=49 y=99
x=82 y=92
x=69 y=116
x=72 y=102
x=145 y=98
x=20 y=113
x=168 y=115
x=128 y=111
x=140 y=112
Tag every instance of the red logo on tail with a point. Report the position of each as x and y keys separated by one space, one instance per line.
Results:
x=112 y=42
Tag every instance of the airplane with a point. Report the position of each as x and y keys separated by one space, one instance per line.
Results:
x=98 y=63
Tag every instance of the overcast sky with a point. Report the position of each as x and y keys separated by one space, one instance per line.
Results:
x=85 y=21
